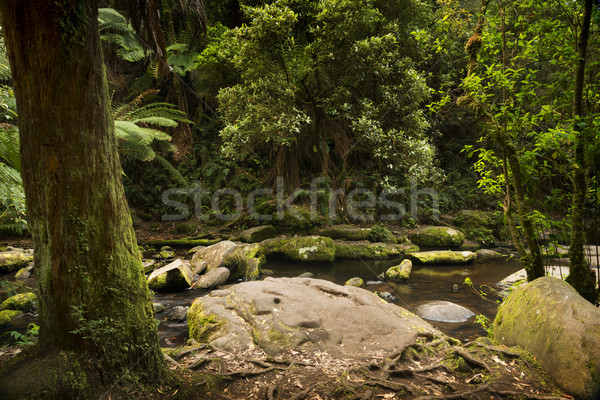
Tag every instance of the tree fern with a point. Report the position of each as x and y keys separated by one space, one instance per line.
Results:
x=114 y=28
x=138 y=130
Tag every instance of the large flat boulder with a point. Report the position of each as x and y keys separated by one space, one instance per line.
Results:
x=284 y=314
x=548 y=318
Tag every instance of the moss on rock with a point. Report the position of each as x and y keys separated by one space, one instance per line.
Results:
x=346 y=232
x=305 y=249
x=8 y=315
x=438 y=236
x=173 y=277
x=442 y=257
x=202 y=325
x=21 y=302
x=257 y=234
x=548 y=318
x=400 y=272
x=14 y=260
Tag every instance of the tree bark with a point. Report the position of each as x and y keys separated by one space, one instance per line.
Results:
x=579 y=276
x=94 y=301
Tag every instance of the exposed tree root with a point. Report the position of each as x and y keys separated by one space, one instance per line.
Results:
x=424 y=370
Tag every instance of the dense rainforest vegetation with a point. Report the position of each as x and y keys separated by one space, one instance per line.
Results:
x=442 y=105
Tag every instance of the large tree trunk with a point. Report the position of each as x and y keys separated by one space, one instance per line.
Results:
x=580 y=277
x=94 y=300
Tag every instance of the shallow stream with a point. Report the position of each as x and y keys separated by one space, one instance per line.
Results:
x=426 y=283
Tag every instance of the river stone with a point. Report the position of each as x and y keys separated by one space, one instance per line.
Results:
x=172 y=277
x=487 y=254
x=351 y=233
x=400 y=272
x=213 y=255
x=178 y=313
x=356 y=282
x=148 y=266
x=437 y=236
x=365 y=250
x=6 y=316
x=245 y=262
x=304 y=249
x=443 y=311
x=23 y=273
x=548 y=318
x=13 y=260
x=281 y=314
x=258 y=234
x=213 y=278
x=21 y=302
x=442 y=257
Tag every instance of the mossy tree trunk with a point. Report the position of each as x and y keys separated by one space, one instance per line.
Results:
x=580 y=277
x=94 y=300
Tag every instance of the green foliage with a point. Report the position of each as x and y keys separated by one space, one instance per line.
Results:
x=115 y=29
x=380 y=233
x=138 y=128
x=332 y=82
x=28 y=338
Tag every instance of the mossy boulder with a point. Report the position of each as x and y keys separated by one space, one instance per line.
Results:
x=487 y=254
x=245 y=262
x=365 y=250
x=481 y=227
x=345 y=232
x=258 y=234
x=356 y=282
x=304 y=249
x=442 y=257
x=14 y=260
x=173 y=277
x=23 y=273
x=380 y=233
x=475 y=218
x=6 y=316
x=548 y=318
x=437 y=236
x=21 y=302
x=400 y=272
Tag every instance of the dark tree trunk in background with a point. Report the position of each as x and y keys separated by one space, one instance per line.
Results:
x=580 y=277
x=94 y=300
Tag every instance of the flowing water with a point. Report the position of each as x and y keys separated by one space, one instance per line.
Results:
x=426 y=283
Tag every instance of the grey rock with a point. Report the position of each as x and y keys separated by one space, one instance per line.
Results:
x=280 y=314
x=356 y=282
x=443 y=311
x=548 y=318
x=214 y=255
x=213 y=278
x=158 y=308
x=178 y=313
x=173 y=277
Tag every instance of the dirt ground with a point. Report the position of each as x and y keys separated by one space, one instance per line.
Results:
x=430 y=369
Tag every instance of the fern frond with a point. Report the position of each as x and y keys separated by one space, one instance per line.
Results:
x=9 y=147
x=160 y=121
x=169 y=167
